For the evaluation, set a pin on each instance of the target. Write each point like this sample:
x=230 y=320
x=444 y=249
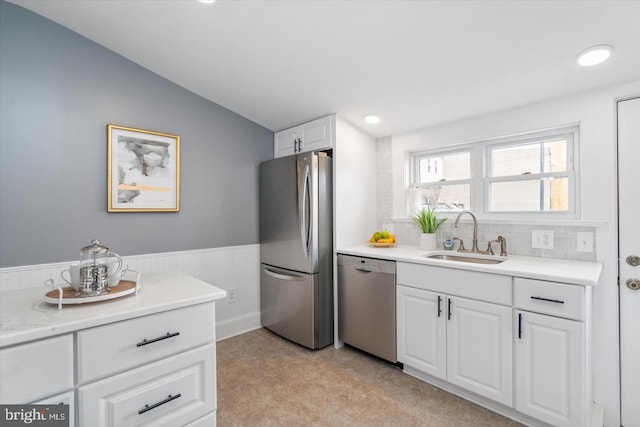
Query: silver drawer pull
x=164 y=337
x=557 y=301
x=162 y=402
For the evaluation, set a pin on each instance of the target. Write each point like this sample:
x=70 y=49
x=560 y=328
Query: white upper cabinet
x=312 y=136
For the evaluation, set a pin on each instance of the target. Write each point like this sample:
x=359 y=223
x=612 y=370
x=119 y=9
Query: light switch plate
x=585 y=241
x=542 y=239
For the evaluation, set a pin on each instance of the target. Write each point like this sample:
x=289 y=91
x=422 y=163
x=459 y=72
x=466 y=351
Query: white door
x=479 y=348
x=421 y=330
x=629 y=246
x=550 y=365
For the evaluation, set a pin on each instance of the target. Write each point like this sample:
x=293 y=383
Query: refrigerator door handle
x=272 y=273
x=305 y=226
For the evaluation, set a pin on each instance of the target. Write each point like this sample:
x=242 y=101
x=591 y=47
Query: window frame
x=480 y=179
x=415 y=158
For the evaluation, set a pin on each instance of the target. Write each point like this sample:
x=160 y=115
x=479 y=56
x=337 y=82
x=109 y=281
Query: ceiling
x=414 y=63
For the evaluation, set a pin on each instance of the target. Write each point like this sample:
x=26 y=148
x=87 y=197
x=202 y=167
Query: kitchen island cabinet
x=147 y=358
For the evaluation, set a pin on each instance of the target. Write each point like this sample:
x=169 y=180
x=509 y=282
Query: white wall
x=355 y=185
x=595 y=113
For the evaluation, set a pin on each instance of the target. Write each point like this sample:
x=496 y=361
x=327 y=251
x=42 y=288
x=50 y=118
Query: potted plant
x=428 y=221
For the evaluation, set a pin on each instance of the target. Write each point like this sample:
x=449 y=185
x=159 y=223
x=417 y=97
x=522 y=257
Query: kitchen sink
x=471 y=259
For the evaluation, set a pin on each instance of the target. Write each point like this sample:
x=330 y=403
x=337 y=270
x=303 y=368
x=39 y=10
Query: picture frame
x=143 y=170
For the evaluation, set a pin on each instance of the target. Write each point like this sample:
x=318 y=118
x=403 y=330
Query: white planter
x=428 y=241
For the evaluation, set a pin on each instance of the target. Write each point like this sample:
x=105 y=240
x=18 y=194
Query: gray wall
x=58 y=91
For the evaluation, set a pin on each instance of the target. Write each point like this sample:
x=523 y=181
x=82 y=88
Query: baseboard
x=238 y=325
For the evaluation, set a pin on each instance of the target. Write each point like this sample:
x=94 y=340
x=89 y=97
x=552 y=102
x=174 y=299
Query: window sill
x=522 y=221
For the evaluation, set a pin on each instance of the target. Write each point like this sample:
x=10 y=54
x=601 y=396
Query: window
x=527 y=175
x=442 y=181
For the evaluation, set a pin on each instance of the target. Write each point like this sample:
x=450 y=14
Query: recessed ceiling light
x=207 y=1
x=594 y=55
x=372 y=119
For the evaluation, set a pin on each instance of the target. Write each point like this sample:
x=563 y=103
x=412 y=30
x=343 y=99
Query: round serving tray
x=125 y=287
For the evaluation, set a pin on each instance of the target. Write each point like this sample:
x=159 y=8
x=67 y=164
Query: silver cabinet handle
x=162 y=402
x=556 y=301
x=164 y=337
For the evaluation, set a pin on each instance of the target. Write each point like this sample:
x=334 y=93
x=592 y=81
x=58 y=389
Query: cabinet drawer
x=556 y=299
x=112 y=348
x=494 y=288
x=67 y=398
x=172 y=392
x=35 y=370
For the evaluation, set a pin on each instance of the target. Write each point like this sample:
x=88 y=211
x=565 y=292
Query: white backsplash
x=518 y=238
x=230 y=268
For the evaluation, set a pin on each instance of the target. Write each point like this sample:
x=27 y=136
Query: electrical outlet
x=542 y=239
x=231 y=296
x=585 y=241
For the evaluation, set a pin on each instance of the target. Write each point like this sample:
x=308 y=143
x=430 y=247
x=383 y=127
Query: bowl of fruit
x=382 y=239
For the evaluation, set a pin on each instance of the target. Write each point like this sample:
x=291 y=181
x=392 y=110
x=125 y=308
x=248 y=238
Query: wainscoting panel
x=234 y=268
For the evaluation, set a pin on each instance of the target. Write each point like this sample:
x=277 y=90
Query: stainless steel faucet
x=474 y=245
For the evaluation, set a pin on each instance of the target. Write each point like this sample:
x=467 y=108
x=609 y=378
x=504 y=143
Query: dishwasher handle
x=364 y=270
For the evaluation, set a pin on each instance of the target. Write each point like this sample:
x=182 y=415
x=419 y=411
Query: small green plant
x=427 y=220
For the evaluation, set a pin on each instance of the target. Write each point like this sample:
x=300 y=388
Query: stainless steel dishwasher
x=367 y=305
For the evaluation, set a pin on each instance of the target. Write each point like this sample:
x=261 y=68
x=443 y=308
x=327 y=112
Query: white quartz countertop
x=25 y=316
x=555 y=270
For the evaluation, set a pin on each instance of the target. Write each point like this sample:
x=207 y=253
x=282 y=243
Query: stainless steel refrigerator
x=296 y=248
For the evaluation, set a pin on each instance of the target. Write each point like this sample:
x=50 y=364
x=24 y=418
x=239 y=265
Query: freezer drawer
x=288 y=304
x=367 y=305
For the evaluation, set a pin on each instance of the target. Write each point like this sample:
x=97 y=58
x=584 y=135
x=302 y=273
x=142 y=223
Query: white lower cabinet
x=549 y=369
x=67 y=398
x=172 y=392
x=36 y=370
x=479 y=348
x=551 y=365
x=421 y=337
x=462 y=341
x=527 y=357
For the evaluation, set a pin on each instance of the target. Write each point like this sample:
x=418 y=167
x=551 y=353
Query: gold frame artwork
x=143 y=170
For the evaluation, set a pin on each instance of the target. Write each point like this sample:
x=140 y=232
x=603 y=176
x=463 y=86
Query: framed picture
x=143 y=170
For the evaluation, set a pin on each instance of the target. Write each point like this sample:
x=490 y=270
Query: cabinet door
x=479 y=348
x=316 y=135
x=421 y=330
x=550 y=364
x=284 y=142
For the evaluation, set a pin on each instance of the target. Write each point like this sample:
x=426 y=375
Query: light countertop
x=25 y=316
x=555 y=270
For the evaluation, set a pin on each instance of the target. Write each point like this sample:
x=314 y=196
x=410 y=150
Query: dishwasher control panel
x=368 y=264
